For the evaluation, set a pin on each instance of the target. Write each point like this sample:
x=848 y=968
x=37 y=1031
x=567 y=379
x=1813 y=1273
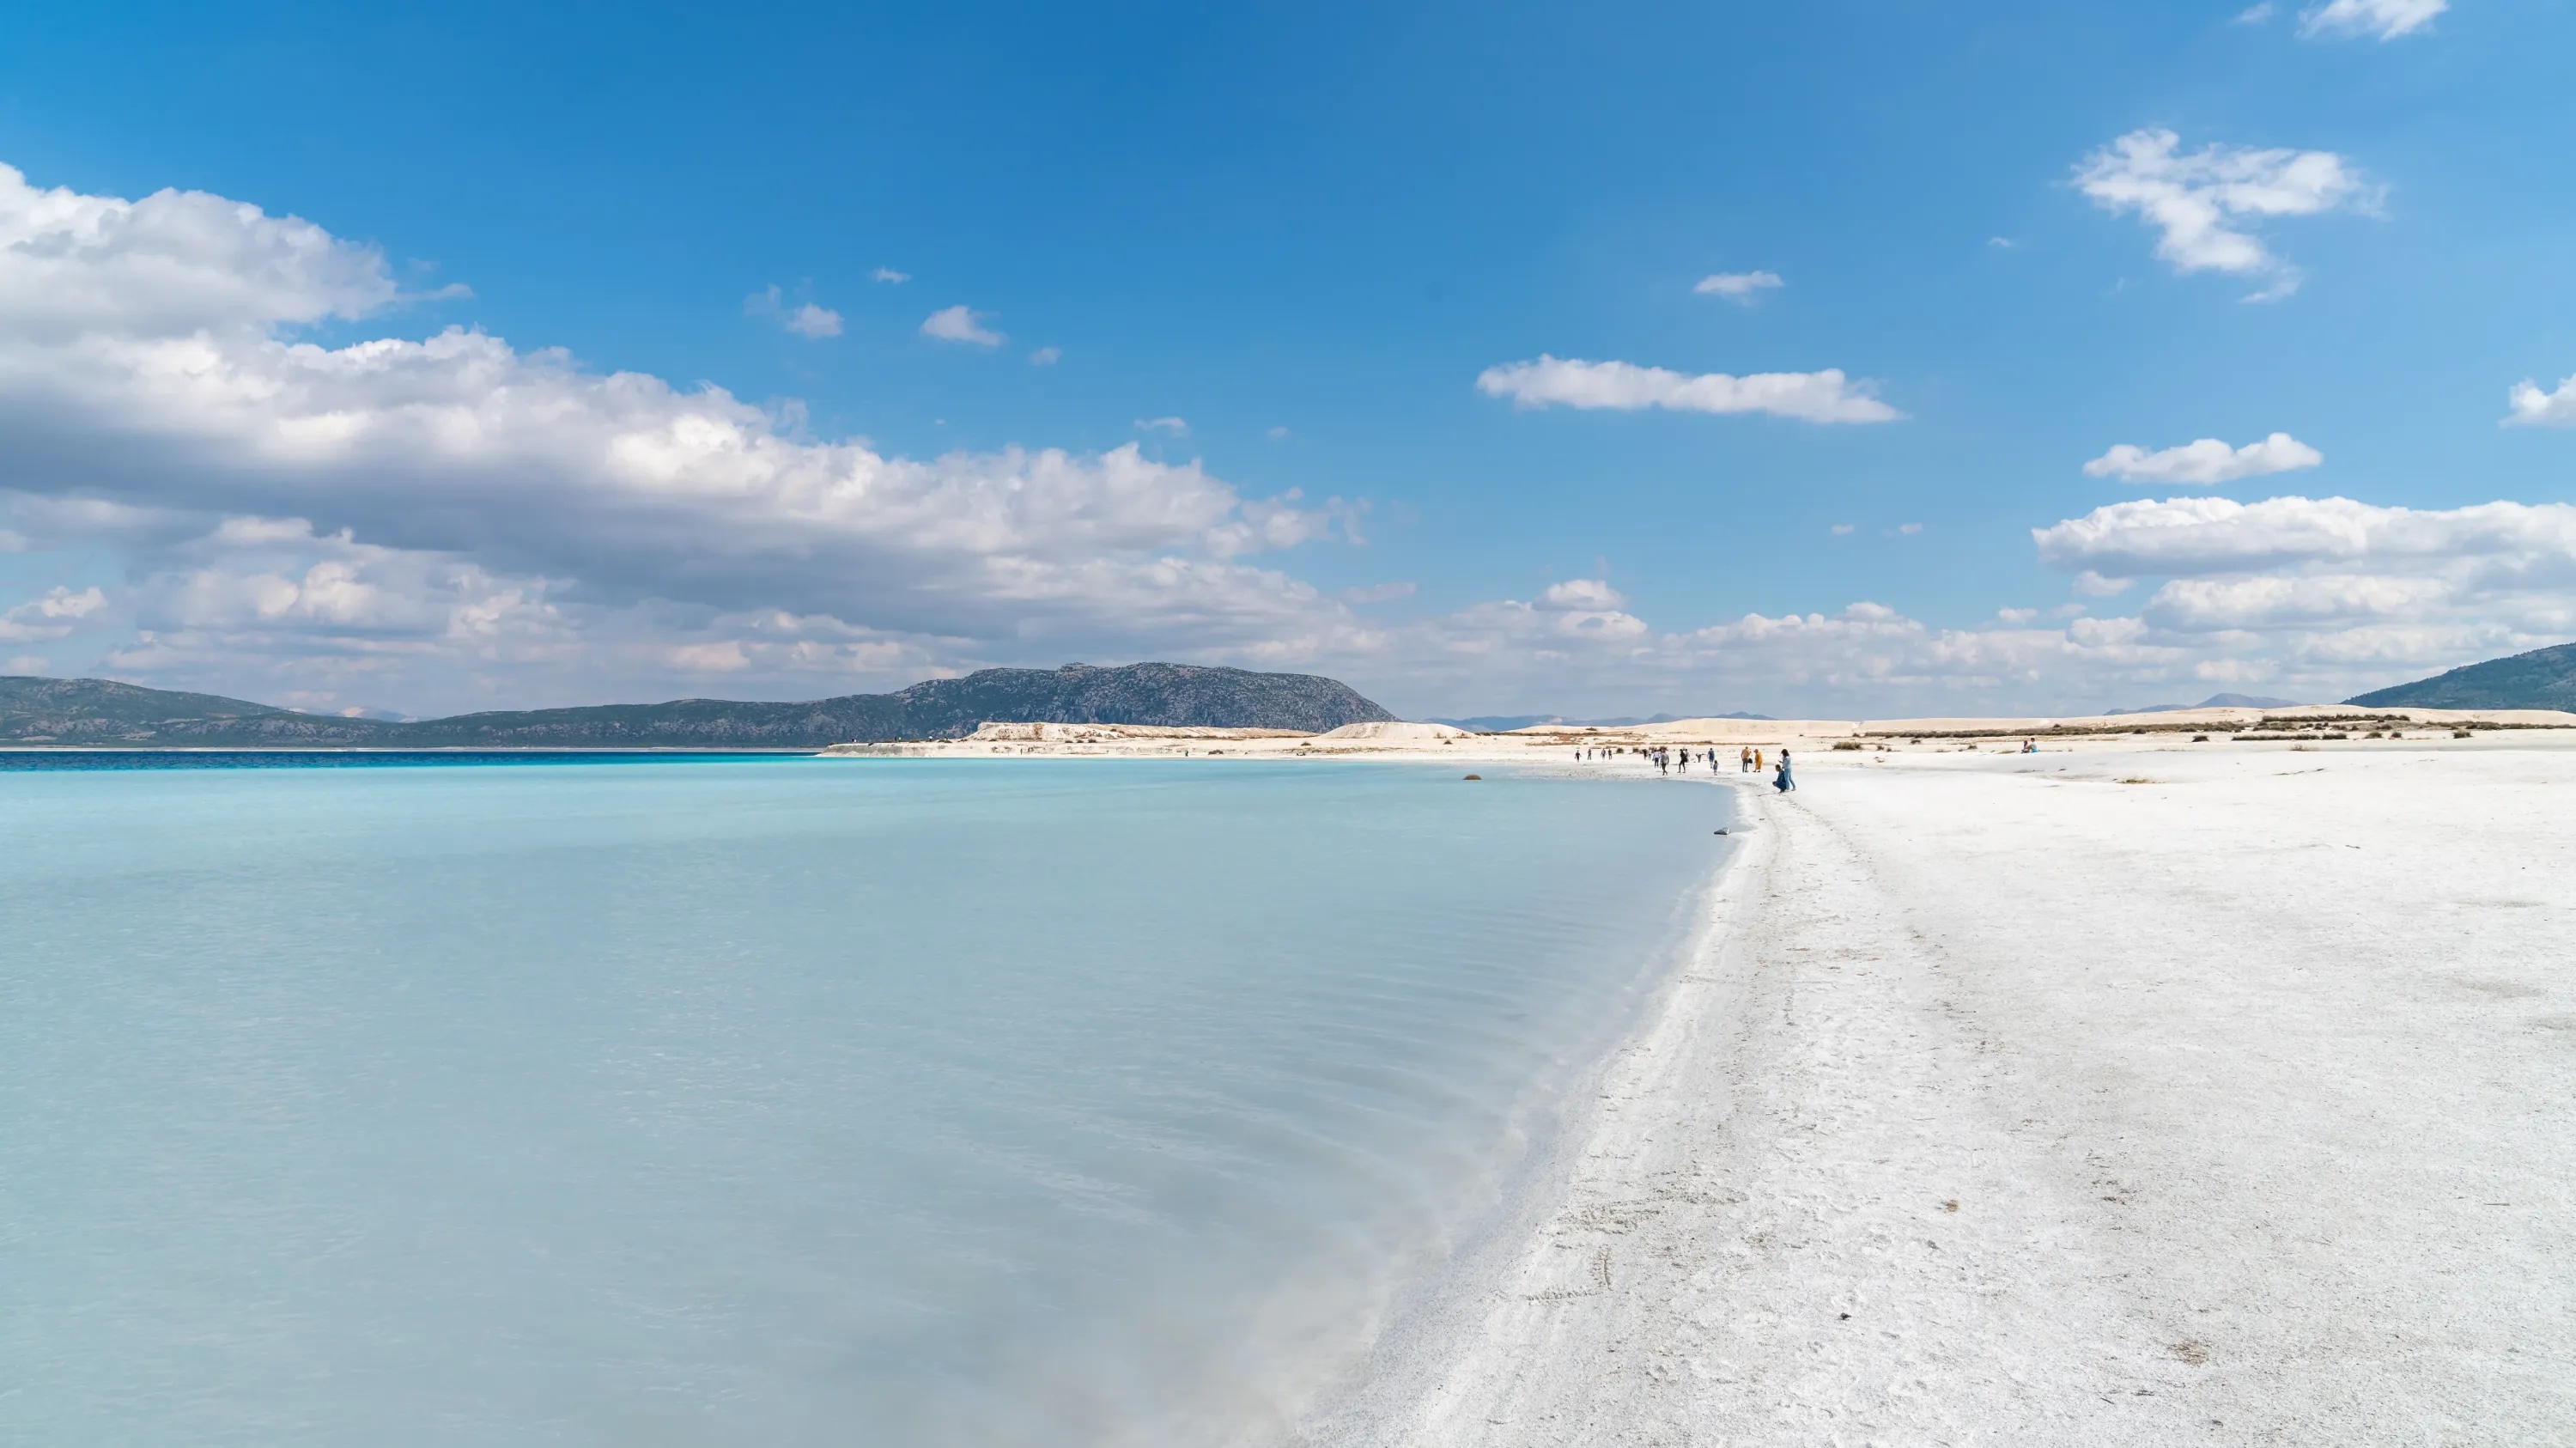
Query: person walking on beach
x=1781 y=780
x=1745 y=756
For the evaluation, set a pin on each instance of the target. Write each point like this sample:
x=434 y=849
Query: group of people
x=1673 y=761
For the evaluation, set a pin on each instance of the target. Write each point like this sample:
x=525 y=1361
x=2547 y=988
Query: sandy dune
x=2188 y=1094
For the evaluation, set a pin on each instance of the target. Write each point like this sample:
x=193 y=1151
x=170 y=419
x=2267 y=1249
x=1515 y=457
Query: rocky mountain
x=99 y=712
x=2541 y=679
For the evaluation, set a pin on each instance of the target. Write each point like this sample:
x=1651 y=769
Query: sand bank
x=2182 y=1094
x=1561 y=744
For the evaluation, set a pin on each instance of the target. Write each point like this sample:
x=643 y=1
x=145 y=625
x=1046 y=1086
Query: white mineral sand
x=2112 y=1095
x=1397 y=729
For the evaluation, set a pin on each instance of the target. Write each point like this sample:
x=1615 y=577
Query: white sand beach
x=2124 y=1095
x=2203 y=1078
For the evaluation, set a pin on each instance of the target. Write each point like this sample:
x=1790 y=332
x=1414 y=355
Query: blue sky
x=1305 y=233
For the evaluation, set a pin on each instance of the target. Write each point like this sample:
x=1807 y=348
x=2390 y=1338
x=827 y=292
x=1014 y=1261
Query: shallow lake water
x=780 y=1101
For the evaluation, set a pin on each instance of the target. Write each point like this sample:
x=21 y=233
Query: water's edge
x=1424 y=1325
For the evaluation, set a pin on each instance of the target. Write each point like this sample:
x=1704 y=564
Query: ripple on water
x=775 y=1101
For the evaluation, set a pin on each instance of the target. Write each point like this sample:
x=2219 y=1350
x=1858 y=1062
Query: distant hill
x=2215 y=701
x=2541 y=679
x=99 y=712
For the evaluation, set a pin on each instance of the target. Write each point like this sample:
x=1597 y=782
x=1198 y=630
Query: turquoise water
x=776 y=1101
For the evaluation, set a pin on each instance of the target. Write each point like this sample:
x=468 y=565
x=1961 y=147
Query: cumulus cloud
x=2205 y=462
x=2202 y=202
x=1172 y=426
x=804 y=319
x=809 y=320
x=2203 y=536
x=1742 y=288
x=1582 y=593
x=448 y=521
x=50 y=616
x=1826 y=396
x=2383 y=19
x=889 y=274
x=158 y=398
x=2535 y=408
x=957 y=324
x=2336 y=585
x=1046 y=357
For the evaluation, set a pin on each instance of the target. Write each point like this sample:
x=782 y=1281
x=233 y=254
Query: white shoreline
x=2255 y=1088
x=1432 y=1314
x=1436 y=1317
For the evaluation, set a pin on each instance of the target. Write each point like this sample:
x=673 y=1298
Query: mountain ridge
x=2541 y=679
x=103 y=712
x=2214 y=701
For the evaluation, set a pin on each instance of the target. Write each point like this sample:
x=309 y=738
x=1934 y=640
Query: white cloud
x=1277 y=434
x=1170 y=425
x=2205 y=462
x=1743 y=288
x=61 y=602
x=2341 y=591
x=51 y=616
x=2202 y=202
x=889 y=274
x=430 y=508
x=957 y=324
x=726 y=657
x=1825 y=396
x=1840 y=529
x=809 y=320
x=804 y=319
x=2535 y=408
x=2384 y=19
x=447 y=521
x=2207 y=536
x=2257 y=14
x=1582 y=593
x=1046 y=357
